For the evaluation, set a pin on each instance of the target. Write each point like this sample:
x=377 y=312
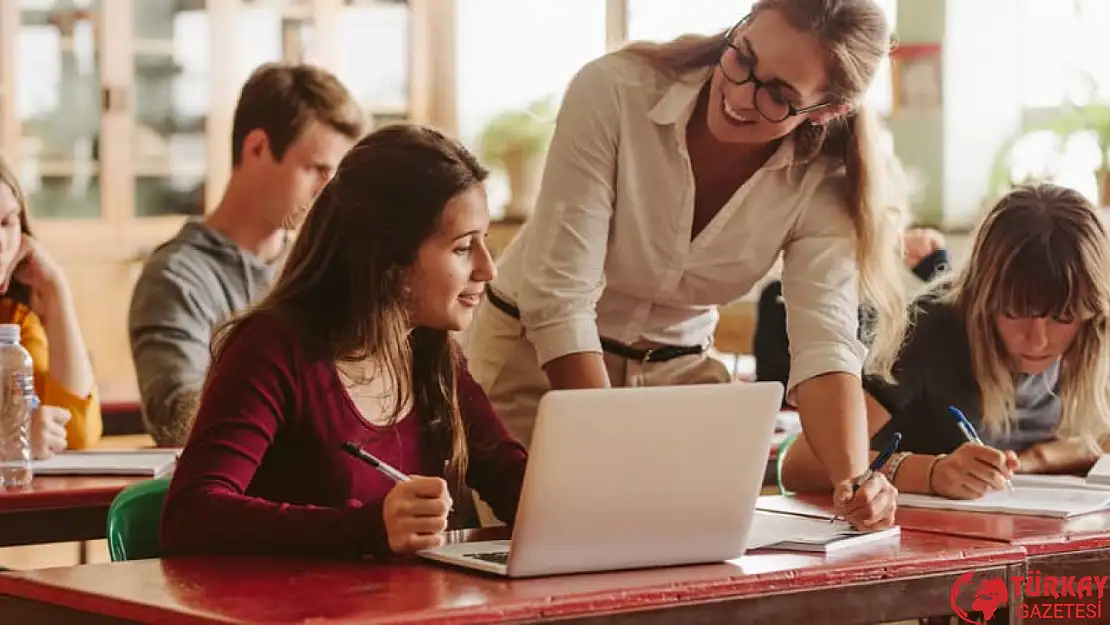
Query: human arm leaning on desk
x=563 y=273
x=820 y=287
x=964 y=473
x=255 y=383
x=1061 y=456
x=64 y=378
x=170 y=331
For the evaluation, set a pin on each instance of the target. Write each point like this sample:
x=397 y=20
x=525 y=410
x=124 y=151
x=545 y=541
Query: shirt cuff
x=832 y=358
x=570 y=337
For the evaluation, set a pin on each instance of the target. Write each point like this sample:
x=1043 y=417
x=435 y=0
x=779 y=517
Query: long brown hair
x=343 y=287
x=17 y=290
x=856 y=38
x=1041 y=251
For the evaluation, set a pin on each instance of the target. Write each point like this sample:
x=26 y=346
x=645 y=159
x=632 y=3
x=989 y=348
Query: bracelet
x=891 y=468
x=932 y=469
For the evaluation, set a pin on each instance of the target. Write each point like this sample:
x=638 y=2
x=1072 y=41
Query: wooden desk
x=1076 y=546
x=58 y=509
x=887 y=583
x=121 y=409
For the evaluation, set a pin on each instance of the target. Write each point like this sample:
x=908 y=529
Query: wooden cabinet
x=117 y=114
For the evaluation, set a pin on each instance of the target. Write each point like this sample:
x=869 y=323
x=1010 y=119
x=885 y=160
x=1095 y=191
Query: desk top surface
x=241 y=590
x=1038 y=535
x=64 y=492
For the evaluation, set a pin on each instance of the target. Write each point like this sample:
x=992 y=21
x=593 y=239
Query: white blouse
x=608 y=249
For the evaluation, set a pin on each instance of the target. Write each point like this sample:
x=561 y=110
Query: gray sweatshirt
x=189 y=286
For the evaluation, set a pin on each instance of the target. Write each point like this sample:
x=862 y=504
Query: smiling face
x=788 y=62
x=453 y=265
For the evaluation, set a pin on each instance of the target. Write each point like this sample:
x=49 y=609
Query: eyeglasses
x=739 y=69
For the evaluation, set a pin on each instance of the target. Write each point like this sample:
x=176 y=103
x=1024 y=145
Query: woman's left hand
x=37 y=269
x=870 y=508
x=1059 y=456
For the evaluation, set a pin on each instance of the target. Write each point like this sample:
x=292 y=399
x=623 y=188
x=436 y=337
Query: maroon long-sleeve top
x=264 y=473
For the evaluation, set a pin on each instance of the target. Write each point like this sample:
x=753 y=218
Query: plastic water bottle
x=17 y=402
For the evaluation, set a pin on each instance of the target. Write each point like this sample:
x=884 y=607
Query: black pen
x=355 y=450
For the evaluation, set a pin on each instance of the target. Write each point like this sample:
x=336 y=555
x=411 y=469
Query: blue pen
x=876 y=465
x=971 y=435
x=879 y=461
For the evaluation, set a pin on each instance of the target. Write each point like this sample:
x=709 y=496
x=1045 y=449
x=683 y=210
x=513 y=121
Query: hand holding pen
x=974 y=468
x=869 y=500
x=415 y=510
x=972 y=436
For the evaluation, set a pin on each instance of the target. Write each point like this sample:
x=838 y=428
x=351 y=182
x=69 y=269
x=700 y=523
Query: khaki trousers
x=504 y=363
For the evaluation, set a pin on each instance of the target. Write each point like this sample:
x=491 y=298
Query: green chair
x=780 y=457
x=133 y=520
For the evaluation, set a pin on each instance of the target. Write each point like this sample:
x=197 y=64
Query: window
x=1062 y=61
x=513 y=53
x=1064 y=48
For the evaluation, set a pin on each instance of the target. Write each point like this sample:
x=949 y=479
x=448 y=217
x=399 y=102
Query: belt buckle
x=648 y=353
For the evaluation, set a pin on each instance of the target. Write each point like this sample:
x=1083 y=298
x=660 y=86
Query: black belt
x=651 y=354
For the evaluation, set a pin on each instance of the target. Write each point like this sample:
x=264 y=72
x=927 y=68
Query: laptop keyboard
x=496 y=557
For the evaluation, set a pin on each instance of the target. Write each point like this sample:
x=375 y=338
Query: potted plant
x=516 y=142
x=1069 y=120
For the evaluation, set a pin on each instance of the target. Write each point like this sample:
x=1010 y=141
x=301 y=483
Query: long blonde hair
x=1041 y=251
x=856 y=37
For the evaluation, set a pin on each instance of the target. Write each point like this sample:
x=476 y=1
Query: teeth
x=733 y=114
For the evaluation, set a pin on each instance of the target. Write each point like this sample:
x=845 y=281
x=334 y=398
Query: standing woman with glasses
x=677 y=175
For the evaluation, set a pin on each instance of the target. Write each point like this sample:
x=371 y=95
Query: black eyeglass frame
x=791 y=110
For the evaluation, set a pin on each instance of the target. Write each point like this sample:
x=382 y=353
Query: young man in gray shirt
x=292 y=125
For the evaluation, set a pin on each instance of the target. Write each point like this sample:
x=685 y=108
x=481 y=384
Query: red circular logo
x=980 y=593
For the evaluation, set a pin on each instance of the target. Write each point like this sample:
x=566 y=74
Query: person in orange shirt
x=35 y=295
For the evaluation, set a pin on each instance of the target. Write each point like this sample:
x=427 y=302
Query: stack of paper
x=1079 y=482
x=1051 y=502
x=1100 y=473
x=798 y=533
x=141 y=463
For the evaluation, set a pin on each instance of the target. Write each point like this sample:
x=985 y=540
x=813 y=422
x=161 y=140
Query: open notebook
x=140 y=463
x=1051 y=502
x=798 y=533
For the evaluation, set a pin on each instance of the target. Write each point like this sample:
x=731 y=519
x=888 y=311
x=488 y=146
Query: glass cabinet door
x=57 y=91
x=374 y=63
x=171 y=104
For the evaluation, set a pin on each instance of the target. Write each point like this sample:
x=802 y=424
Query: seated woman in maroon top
x=353 y=344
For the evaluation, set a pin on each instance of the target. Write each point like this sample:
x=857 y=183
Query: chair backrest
x=134 y=518
x=779 y=460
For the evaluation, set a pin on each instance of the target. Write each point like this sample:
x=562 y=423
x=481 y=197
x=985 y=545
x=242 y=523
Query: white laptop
x=635 y=477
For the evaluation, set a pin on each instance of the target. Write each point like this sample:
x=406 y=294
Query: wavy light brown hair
x=1042 y=251
x=343 y=287
x=856 y=38
x=17 y=290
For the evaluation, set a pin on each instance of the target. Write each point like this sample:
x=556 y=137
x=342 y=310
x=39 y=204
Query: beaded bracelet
x=891 y=468
x=932 y=469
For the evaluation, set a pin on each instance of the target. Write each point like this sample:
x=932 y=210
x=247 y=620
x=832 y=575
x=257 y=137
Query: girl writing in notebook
x=353 y=344
x=1017 y=341
x=35 y=295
